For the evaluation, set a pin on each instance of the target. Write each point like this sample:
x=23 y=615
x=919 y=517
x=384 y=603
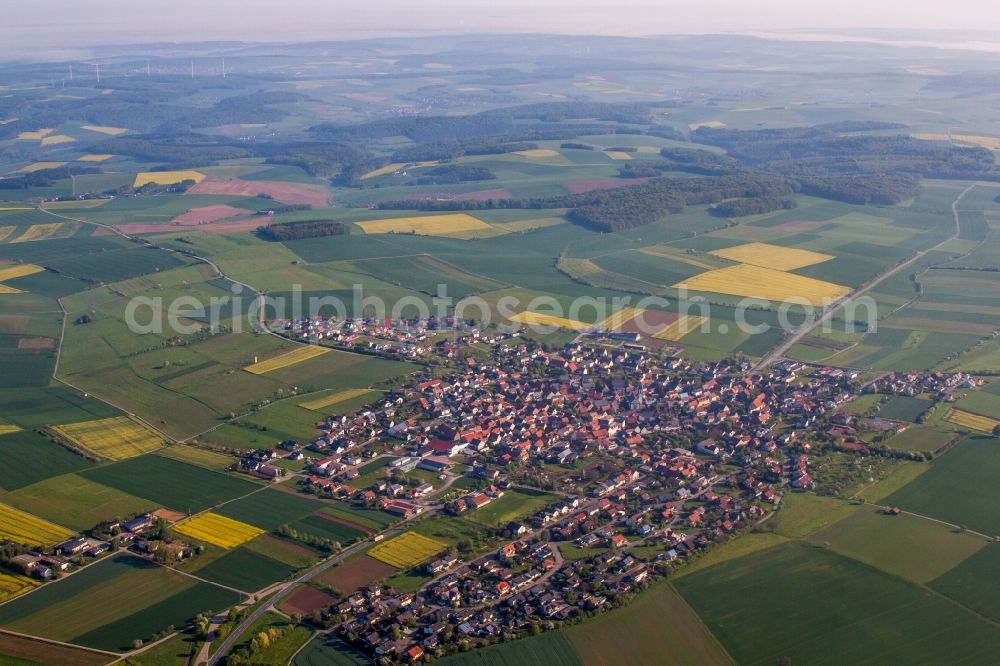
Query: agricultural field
x=683 y=639
x=21 y=527
x=680 y=328
x=167 y=177
x=772 y=256
x=406 y=550
x=357 y=572
x=550 y=648
x=37 y=459
x=89 y=608
x=217 y=530
x=269 y=509
x=968 y=583
x=335 y=398
x=170 y=483
x=795 y=589
x=917 y=549
x=297 y=355
x=455 y=224
x=18 y=270
x=529 y=318
x=244 y=569
x=117 y=438
x=329 y=650
x=971 y=421
x=12 y=585
x=765 y=283
x=76 y=502
x=959 y=487
x=904 y=408
x=200 y=457
x=920 y=438
x=22 y=651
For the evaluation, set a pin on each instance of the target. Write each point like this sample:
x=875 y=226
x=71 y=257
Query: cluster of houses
x=939 y=384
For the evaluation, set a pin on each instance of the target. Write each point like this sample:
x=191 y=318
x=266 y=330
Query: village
x=636 y=463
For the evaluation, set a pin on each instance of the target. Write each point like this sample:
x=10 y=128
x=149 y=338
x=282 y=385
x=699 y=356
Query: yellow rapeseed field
x=677 y=330
x=537 y=152
x=426 y=225
x=772 y=256
x=6 y=231
x=115 y=438
x=7 y=289
x=56 y=139
x=620 y=318
x=217 y=530
x=11 y=585
x=21 y=527
x=36 y=135
x=113 y=131
x=38 y=166
x=618 y=154
x=991 y=142
x=39 y=232
x=971 y=420
x=6 y=428
x=396 y=166
x=407 y=550
x=297 y=355
x=333 y=399
x=167 y=177
x=538 y=319
x=18 y=270
x=765 y=283
x=98 y=157
x=713 y=124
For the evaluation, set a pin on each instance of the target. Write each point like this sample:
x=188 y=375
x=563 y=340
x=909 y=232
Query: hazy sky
x=51 y=25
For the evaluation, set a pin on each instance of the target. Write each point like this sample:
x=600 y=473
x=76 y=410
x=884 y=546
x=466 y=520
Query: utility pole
x=98 y=66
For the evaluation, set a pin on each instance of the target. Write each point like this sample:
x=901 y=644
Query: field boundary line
x=51 y=641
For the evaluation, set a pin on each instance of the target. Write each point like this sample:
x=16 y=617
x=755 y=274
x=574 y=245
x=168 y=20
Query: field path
x=779 y=353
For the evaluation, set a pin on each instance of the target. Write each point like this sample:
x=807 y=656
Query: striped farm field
x=167 y=177
x=970 y=420
x=620 y=318
x=39 y=232
x=765 y=283
x=18 y=270
x=102 y=129
x=407 y=550
x=218 y=530
x=4 y=289
x=677 y=330
x=7 y=429
x=6 y=231
x=426 y=225
x=991 y=142
x=618 y=154
x=333 y=399
x=21 y=527
x=772 y=256
x=530 y=318
x=115 y=438
x=12 y=585
x=99 y=157
x=297 y=355
x=40 y=166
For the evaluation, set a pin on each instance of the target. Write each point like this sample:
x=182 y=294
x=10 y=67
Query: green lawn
x=514 y=505
x=551 y=649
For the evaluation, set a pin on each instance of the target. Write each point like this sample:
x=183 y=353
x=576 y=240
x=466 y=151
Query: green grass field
x=915 y=548
x=90 y=609
x=661 y=626
x=270 y=509
x=244 y=569
x=170 y=483
x=969 y=583
x=817 y=607
x=76 y=502
x=550 y=648
x=960 y=487
x=327 y=650
x=801 y=514
x=514 y=505
x=919 y=438
x=36 y=458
